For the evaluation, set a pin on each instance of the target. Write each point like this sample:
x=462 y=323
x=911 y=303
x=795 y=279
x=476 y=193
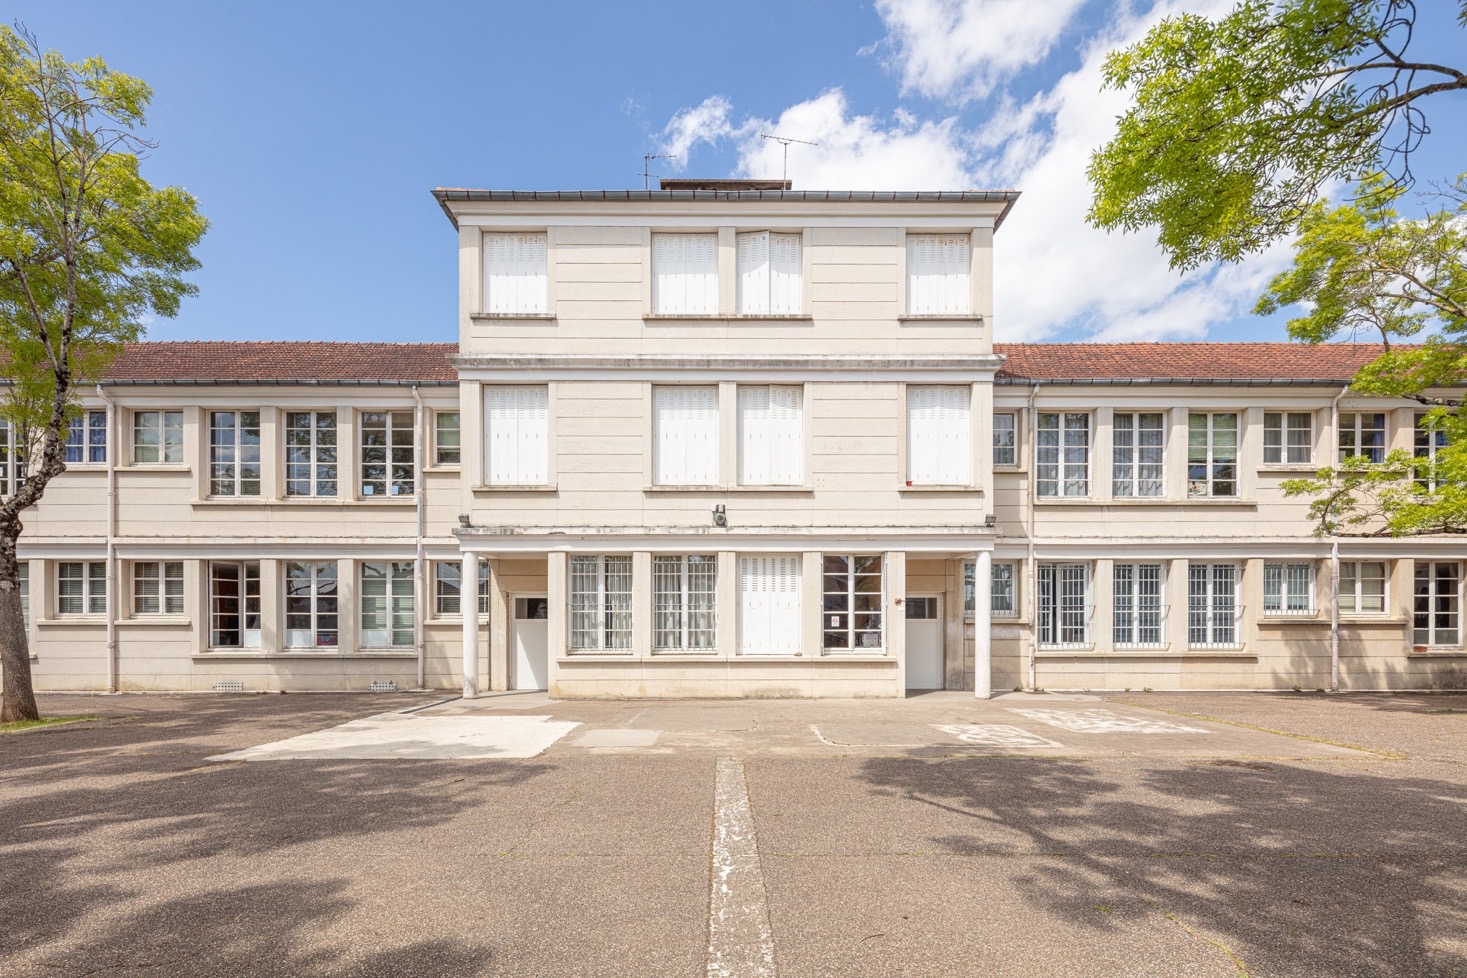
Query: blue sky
x=311 y=132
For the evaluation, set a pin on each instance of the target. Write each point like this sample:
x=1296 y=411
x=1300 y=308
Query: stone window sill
x=501 y=317
x=256 y=654
x=727 y=318
x=551 y=487
x=929 y=319
x=162 y=621
x=975 y=490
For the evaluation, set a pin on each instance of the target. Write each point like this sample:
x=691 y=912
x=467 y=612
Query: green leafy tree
x=88 y=248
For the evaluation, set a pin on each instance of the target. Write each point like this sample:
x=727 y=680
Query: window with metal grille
x=447 y=587
x=1005 y=439
x=81 y=588
x=1138 y=610
x=387 y=605
x=234 y=453
x=1064 y=605
x=514 y=273
x=1431 y=437
x=938 y=275
x=769 y=268
x=685 y=436
x=446 y=441
x=938 y=440
x=234 y=604
x=157 y=587
x=851 y=615
x=311 y=605
x=1288 y=589
x=1363 y=586
x=601 y=603
x=1212 y=454
x=157 y=437
x=1363 y=436
x=771 y=435
x=1212 y=606
x=684 y=602
x=769 y=604
x=388 y=458
x=1062 y=454
x=517 y=435
x=1003 y=593
x=1437 y=613
x=1288 y=438
x=310 y=453
x=685 y=274
x=1138 y=447
x=86 y=438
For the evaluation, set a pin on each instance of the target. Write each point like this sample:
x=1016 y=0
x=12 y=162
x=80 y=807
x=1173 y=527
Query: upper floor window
x=769 y=274
x=1005 y=439
x=1138 y=449
x=1363 y=586
x=1062 y=454
x=851 y=616
x=310 y=453
x=1288 y=589
x=157 y=587
x=81 y=587
x=684 y=602
x=157 y=436
x=446 y=443
x=1288 y=438
x=517 y=435
x=514 y=273
x=1212 y=454
x=387 y=453
x=12 y=464
x=685 y=436
x=1431 y=437
x=387 y=605
x=938 y=444
x=685 y=274
x=234 y=453
x=86 y=438
x=601 y=603
x=1363 y=435
x=771 y=436
x=938 y=275
x=1437 y=611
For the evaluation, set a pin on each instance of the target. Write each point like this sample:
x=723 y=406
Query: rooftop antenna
x=785 y=142
x=647 y=159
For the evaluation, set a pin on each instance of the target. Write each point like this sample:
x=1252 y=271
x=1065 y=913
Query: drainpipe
x=1033 y=567
x=420 y=589
x=1334 y=569
x=114 y=446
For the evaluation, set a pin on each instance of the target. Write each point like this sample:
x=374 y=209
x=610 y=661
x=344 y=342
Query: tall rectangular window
x=685 y=274
x=387 y=605
x=938 y=275
x=234 y=604
x=1288 y=589
x=1138 y=451
x=157 y=587
x=1005 y=439
x=25 y=592
x=1002 y=593
x=447 y=587
x=86 y=438
x=234 y=453
x=1437 y=613
x=769 y=604
x=939 y=451
x=684 y=602
x=1062 y=454
x=685 y=436
x=1363 y=436
x=12 y=461
x=310 y=453
x=1137 y=608
x=1430 y=438
x=771 y=435
x=1212 y=605
x=851 y=616
x=311 y=605
x=1064 y=605
x=1288 y=438
x=446 y=442
x=1363 y=587
x=514 y=273
x=517 y=435
x=1212 y=454
x=81 y=588
x=157 y=437
x=388 y=461
x=601 y=603
x=769 y=274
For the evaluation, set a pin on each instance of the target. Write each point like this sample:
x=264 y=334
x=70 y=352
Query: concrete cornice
x=816 y=362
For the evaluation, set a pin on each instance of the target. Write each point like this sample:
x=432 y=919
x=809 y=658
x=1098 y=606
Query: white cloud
x=706 y=122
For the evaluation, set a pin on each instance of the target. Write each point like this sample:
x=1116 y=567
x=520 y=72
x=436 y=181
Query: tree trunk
x=18 y=701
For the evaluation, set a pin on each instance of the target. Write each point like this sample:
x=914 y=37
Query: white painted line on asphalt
x=1103 y=721
x=390 y=736
x=996 y=735
x=740 y=942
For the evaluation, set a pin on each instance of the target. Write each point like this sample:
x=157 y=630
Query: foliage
x=1400 y=496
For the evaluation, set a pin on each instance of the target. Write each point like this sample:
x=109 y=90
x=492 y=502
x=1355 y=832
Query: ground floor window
x=684 y=601
x=1288 y=589
x=1438 y=607
x=387 y=605
x=1064 y=605
x=769 y=604
x=1002 y=592
x=1212 y=605
x=157 y=587
x=601 y=603
x=1137 y=616
x=81 y=588
x=448 y=585
x=1363 y=586
x=851 y=612
x=25 y=593
x=311 y=605
x=234 y=605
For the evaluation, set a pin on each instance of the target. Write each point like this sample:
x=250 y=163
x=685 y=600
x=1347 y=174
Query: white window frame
x=1214 y=615
x=1138 y=454
x=392 y=464
x=1064 y=613
x=385 y=602
x=1138 y=604
x=516 y=435
x=516 y=273
x=685 y=274
x=1288 y=588
x=234 y=612
x=685 y=602
x=12 y=460
x=23 y=572
x=939 y=435
x=1435 y=634
x=446 y=455
x=1354 y=429
x=772 y=584
x=1427 y=439
x=157 y=587
x=1003 y=591
x=1005 y=439
x=842 y=620
x=316 y=588
x=771 y=426
x=90 y=597
x=770 y=273
x=1054 y=440
x=1208 y=482
x=448 y=588
x=166 y=430
x=312 y=455
x=1285 y=440
x=939 y=274
x=685 y=430
x=596 y=606
x=235 y=467
x=86 y=438
x=1353 y=591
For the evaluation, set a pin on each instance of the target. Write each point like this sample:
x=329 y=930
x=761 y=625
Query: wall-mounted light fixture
x=990 y=520
x=463 y=520
x=720 y=517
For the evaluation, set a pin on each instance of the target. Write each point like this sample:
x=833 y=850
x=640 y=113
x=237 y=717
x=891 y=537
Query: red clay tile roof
x=1237 y=363
x=254 y=362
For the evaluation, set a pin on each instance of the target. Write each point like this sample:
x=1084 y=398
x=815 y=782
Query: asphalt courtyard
x=352 y=835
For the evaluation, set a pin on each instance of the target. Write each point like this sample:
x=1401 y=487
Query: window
x=310 y=605
x=1288 y=438
x=685 y=274
x=685 y=436
x=1212 y=605
x=684 y=602
x=769 y=274
x=234 y=453
x=446 y=450
x=387 y=605
x=234 y=605
x=938 y=275
x=1288 y=589
x=86 y=438
x=1363 y=587
x=1138 y=448
x=1438 y=608
x=1212 y=454
x=157 y=587
x=514 y=273
x=769 y=605
x=1062 y=454
x=1005 y=439
x=601 y=603
x=1002 y=600
x=850 y=617
x=81 y=588
x=310 y=453
x=1362 y=435
x=1137 y=606
x=771 y=436
x=25 y=592
x=157 y=437
x=1431 y=437
x=1064 y=605
x=938 y=447
x=517 y=436
x=387 y=453
x=447 y=581
x=12 y=465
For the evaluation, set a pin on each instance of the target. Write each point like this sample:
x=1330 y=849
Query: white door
x=924 y=642
x=530 y=639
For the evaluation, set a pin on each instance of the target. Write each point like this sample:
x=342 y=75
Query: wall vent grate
x=383 y=686
x=229 y=686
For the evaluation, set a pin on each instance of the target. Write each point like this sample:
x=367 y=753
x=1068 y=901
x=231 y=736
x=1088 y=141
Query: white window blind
x=937 y=274
x=685 y=435
x=514 y=273
x=771 y=436
x=938 y=439
x=769 y=605
x=769 y=274
x=685 y=274
x=516 y=437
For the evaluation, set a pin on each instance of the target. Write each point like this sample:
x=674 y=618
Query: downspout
x=420 y=638
x=114 y=446
x=1334 y=568
x=1033 y=567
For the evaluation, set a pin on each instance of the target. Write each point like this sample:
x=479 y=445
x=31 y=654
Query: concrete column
x=983 y=627
x=812 y=602
x=896 y=614
x=468 y=597
x=642 y=604
x=1177 y=608
x=1102 y=603
x=500 y=612
x=728 y=604
x=557 y=564
x=272 y=605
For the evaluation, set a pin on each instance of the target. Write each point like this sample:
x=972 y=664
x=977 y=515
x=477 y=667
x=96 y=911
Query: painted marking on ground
x=740 y=942
x=1104 y=721
x=390 y=736
x=995 y=735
